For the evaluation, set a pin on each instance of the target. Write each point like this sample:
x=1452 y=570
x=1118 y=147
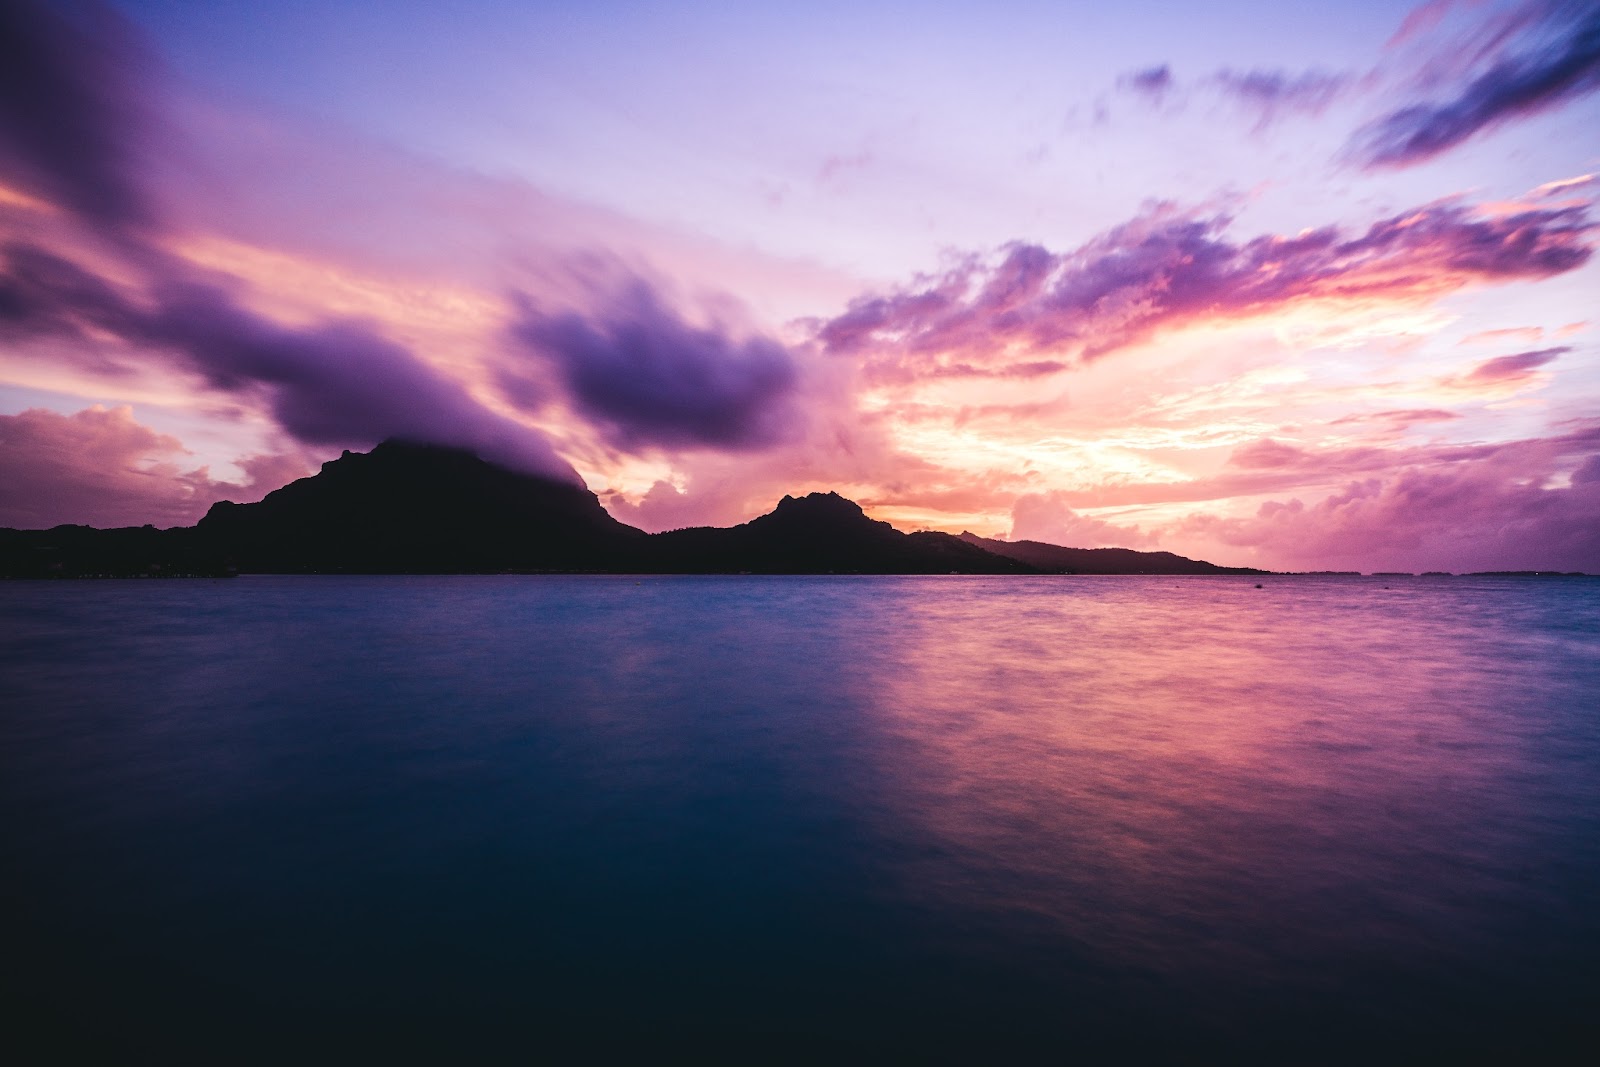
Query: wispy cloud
x=1272 y=94
x=1510 y=333
x=1516 y=369
x=1518 y=63
x=1168 y=268
x=1267 y=93
x=1046 y=517
x=1153 y=83
x=1405 y=417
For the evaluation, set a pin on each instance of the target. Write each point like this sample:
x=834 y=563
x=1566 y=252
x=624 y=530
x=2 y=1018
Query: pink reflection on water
x=1202 y=776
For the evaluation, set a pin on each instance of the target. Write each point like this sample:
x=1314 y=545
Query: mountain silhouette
x=1054 y=559
x=407 y=508
x=410 y=508
x=820 y=533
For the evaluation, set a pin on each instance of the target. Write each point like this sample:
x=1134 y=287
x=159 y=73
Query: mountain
x=1054 y=559
x=423 y=509
x=126 y=552
x=820 y=533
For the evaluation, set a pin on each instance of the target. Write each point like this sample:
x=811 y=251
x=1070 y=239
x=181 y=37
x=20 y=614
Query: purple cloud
x=1559 y=60
x=1512 y=368
x=1166 y=270
x=1272 y=93
x=336 y=383
x=1495 y=513
x=1268 y=93
x=72 y=109
x=647 y=377
x=43 y=294
x=1154 y=82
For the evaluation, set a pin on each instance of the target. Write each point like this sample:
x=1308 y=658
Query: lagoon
x=803 y=818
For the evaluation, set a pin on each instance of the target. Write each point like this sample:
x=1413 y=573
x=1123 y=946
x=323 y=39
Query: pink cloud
x=1046 y=517
x=101 y=467
x=1420 y=21
x=1268 y=466
x=1477 y=508
x=1511 y=333
x=662 y=507
x=1517 y=369
x=337 y=382
x=1266 y=454
x=1401 y=418
x=1167 y=269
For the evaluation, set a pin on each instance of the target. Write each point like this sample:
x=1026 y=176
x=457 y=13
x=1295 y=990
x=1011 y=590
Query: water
x=744 y=819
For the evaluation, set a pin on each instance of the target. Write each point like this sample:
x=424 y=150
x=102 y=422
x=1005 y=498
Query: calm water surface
x=748 y=819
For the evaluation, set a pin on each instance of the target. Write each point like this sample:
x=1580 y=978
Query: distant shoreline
x=407 y=508
x=165 y=577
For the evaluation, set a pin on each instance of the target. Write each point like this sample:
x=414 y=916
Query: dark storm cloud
x=1548 y=54
x=337 y=383
x=72 y=93
x=647 y=377
x=1167 y=269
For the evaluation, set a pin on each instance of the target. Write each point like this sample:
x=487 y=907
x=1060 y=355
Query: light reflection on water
x=758 y=817
x=1303 y=782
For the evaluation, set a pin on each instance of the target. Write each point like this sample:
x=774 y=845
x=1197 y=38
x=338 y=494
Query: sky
x=1291 y=285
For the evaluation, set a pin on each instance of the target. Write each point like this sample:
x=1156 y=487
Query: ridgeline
x=421 y=509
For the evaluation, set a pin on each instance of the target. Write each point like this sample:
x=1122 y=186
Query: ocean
x=801 y=819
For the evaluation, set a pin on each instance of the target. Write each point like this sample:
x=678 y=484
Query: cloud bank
x=648 y=378
x=101 y=467
x=74 y=88
x=1167 y=269
x=337 y=383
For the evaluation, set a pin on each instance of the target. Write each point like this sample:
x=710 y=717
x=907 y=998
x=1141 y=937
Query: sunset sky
x=1294 y=285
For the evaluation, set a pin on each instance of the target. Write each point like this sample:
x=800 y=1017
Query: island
x=407 y=508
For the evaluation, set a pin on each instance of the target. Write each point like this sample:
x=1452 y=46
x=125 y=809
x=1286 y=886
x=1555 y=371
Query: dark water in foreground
x=822 y=819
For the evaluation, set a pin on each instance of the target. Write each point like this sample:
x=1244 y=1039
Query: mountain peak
x=412 y=506
x=407 y=507
x=819 y=504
